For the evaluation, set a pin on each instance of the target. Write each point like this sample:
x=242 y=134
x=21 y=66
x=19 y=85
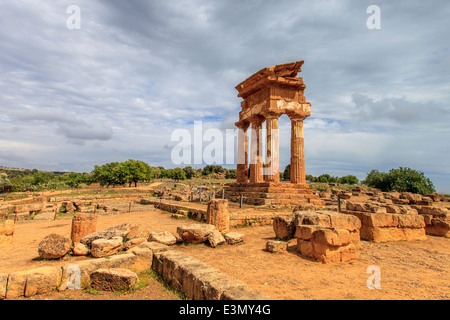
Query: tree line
x=323 y=178
x=132 y=172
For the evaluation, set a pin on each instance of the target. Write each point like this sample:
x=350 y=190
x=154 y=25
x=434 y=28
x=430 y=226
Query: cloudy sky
x=117 y=85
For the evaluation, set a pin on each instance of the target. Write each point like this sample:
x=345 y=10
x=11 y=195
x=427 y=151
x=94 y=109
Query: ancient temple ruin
x=268 y=94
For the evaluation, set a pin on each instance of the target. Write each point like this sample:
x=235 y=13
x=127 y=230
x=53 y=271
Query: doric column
x=298 y=174
x=272 y=168
x=256 y=175
x=242 y=154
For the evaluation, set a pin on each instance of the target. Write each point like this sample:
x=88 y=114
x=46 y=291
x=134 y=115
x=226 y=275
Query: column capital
x=257 y=119
x=272 y=115
x=297 y=117
x=242 y=125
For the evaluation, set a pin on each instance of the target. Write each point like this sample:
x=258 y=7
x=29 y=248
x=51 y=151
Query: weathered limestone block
x=276 y=246
x=125 y=230
x=435 y=197
x=305 y=207
x=82 y=225
x=284 y=226
x=328 y=237
x=218 y=215
x=196 y=279
x=67 y=206
x=54 y=246
x=155 y=246
x=164 y=237
x=106 y=247
x=3 y=284
x=80 y=249
x=195 y=233
x=216 y=238
x=32 y=282
x=6 y=233
x=439 y=227
x=334 y=254
x=133 y=243
x=81 y=270
x=413 y=198
x=391 y=227
x=331 y=237
x=234 y=237
x=312 y=218
x=114 y=279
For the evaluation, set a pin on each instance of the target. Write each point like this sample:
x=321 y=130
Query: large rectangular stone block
x=32 y=282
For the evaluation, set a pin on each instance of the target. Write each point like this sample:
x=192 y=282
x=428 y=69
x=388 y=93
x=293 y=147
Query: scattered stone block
x=164 y=237
x=32 y=282
x=284 y=226
x=195 y=233
x=54 y=246
x=80 y=249
x=114 y=279
x=106 y=247
x=133 y=243
x=124 y=230
x=216 y=238
x=275 y=246
x=234 y=237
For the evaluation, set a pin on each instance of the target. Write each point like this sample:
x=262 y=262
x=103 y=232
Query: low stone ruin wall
x=199 y=281
x=378 y=225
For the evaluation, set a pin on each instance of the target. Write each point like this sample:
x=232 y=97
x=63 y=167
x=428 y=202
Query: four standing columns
x=272 y=168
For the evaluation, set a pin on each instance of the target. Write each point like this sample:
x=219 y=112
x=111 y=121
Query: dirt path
x=409 y=270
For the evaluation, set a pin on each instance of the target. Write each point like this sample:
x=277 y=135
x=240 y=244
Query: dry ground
x=409 y=270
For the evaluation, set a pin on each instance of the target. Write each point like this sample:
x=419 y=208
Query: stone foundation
x=272 y=194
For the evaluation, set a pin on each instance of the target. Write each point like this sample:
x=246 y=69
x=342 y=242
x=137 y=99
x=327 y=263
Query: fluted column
x=256 y=174
x=272 y=168
x=242 y=154
x=298 y=174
